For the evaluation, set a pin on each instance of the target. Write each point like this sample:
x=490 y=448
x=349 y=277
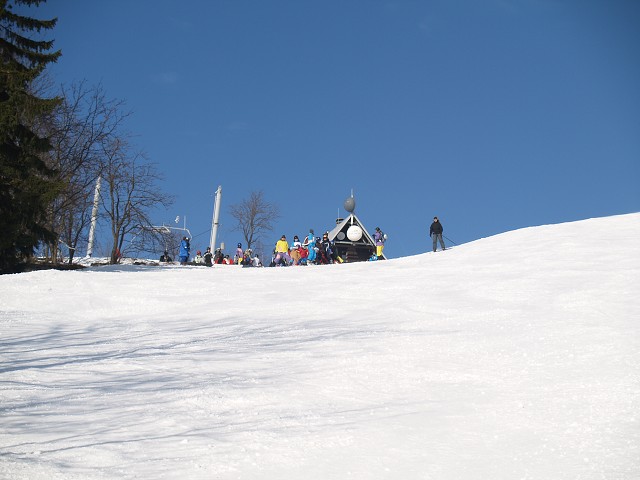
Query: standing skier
x=435 y=232
x=184 y=250
x=378 y=237
x=310 y=244
x=282 y=251
x=239 y=254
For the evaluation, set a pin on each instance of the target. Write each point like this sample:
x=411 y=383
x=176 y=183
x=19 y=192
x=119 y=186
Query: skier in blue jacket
x=184 y=251
x=310 y=244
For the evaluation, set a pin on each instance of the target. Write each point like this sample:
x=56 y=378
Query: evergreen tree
x=27 y=184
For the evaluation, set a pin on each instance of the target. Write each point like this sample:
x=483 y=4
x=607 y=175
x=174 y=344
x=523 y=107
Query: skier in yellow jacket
x=282 y=251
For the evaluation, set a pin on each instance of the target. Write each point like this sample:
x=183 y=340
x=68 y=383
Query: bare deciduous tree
x=131 y=193
x=78 y=128
x=254 y=217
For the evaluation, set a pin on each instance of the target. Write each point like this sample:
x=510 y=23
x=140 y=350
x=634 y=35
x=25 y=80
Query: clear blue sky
x=493 y=114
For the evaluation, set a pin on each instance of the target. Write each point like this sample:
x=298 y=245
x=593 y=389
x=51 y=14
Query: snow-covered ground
x=511 y=357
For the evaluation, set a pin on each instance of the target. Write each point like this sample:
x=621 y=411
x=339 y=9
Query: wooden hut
x=352 y=240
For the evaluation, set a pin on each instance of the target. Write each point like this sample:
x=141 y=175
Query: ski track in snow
x=511 y=357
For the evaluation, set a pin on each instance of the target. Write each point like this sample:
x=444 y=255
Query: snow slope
x=512 y=357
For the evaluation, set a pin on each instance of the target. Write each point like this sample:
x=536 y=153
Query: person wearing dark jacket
x=208 y=257
x=435 y=232
x=329 y=248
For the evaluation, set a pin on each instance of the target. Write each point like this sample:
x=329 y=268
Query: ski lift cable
x=200 y=234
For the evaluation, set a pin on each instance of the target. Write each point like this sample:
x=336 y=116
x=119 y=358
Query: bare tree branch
x=254 y=217
x=131 y=193
x=78 y=128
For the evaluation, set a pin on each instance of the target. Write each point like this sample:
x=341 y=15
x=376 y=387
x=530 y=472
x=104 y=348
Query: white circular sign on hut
x=354 y=233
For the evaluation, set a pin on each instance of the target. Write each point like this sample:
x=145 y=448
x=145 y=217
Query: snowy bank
x=512 y=357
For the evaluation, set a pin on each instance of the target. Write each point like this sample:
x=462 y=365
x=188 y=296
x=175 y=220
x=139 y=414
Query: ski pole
x=448 y=239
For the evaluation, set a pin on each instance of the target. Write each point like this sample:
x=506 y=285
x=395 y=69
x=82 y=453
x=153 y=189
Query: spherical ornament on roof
x=350 y=204
x=354 y=233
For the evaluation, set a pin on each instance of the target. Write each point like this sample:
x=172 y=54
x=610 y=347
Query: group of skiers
x=312 y=250
x=316 y=250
